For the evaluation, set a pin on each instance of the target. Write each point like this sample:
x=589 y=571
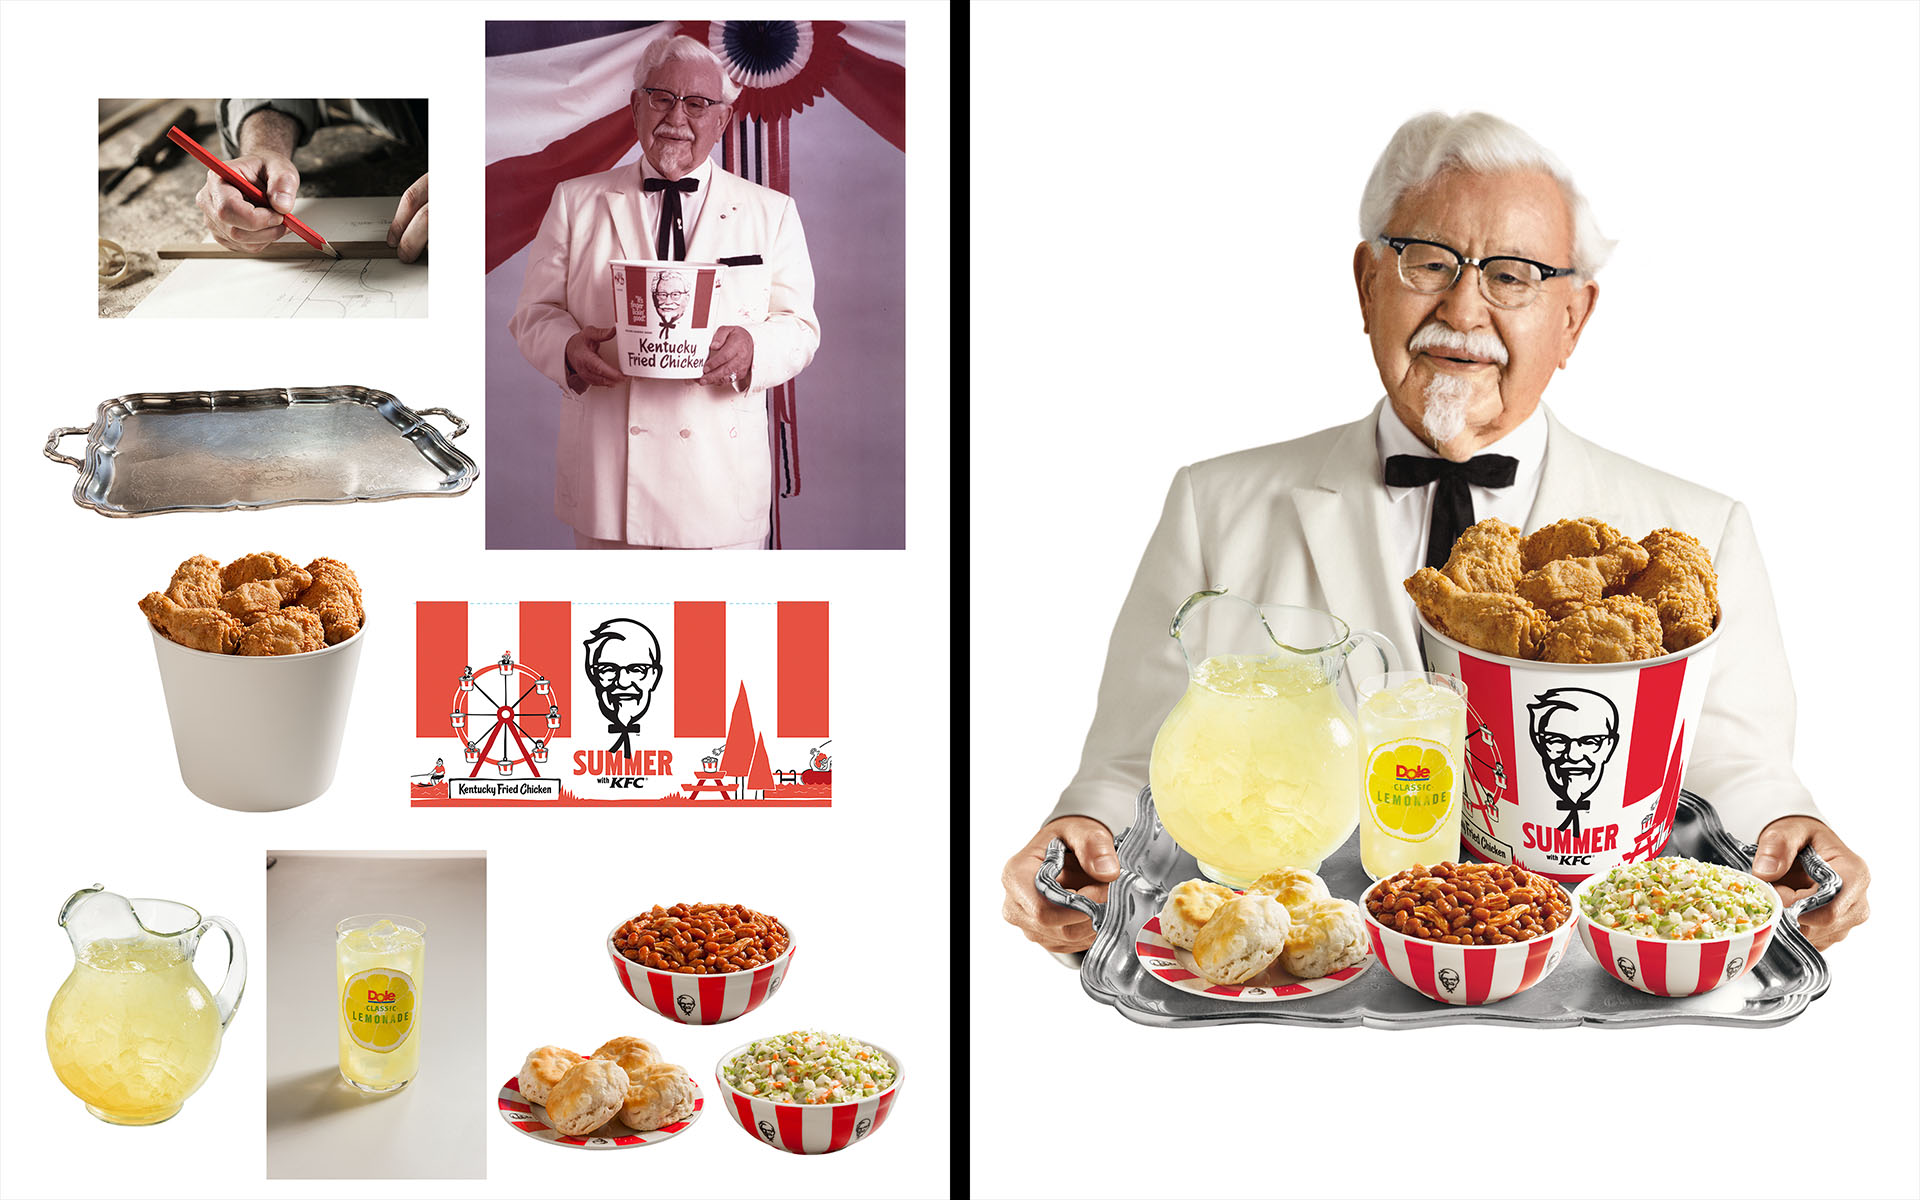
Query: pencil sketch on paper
x=305 y=288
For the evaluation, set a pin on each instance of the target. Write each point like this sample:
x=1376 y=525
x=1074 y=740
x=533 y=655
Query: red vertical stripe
x=702 y=297
x=1713 y=960
x=699 y=672
x=626 y=977
x=439 y=654
x=713 y=997
x=663 y=997
x=1653 y=965
x=1760 y=941
x=881 y=1109
x=546 y=646
x=757 y=989
x=1420 y=966
x=1603 y=950
x=843 y=1115
x=787 y=1117
x=744 y=1107
x=1536 y=963
x=803 y=668
x=1490 y=695
x=1480 y=972
x=1654 y=706
x=1379 y=950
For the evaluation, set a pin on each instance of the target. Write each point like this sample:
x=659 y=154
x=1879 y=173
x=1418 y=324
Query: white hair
x=1482 y=143
x=685 y=49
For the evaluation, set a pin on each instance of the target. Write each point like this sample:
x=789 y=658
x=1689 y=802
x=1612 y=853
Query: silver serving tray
x=157 y=452
x=1791 y=976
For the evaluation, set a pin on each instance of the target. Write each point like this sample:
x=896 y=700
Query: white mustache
x=1480 y=344
x=684 y=134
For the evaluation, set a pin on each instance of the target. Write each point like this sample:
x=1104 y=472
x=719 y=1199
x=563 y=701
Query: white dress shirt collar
x=1526 y=443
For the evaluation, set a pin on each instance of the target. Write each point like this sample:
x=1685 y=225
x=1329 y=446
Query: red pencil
x=247 y=189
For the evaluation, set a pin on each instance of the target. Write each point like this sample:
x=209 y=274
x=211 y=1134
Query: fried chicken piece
x=206 y=629
x=252 y=601
x=266 y=565
x=195 y=583
x=1486 y=557
x=335 y=596
x=287 y=631
x=1497 y=622
x=1617 y=629
x=1559 y=587
x=1680 y=583
x=1576 y=537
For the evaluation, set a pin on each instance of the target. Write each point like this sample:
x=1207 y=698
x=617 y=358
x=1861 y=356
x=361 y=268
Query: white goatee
x=1445 y=417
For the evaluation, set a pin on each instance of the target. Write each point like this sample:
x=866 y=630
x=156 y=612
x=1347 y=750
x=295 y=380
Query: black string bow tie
x=670 y=217
x=1452 y=503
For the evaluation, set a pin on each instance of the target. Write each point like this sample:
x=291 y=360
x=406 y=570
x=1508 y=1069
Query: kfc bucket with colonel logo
x=1575 y=767
x=662 y=315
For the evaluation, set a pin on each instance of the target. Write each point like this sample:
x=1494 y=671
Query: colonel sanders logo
x=1449 y=978
x=860 y=1130
x=766 y=1131
x=623 y=664
x=1625 y=965
x=1733 y=966
x=1575 y=732
x=684 y=1004
x=670 y=292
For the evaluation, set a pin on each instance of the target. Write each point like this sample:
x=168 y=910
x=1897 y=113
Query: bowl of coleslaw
x=1676 y=926
x=808 y=1092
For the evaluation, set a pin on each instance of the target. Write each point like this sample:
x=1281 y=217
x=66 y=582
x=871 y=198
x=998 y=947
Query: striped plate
x=1173 y=966
x=531 y=1119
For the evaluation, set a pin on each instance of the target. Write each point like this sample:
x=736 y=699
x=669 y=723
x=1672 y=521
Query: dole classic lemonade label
x=1410 y=786
x=377 y=1006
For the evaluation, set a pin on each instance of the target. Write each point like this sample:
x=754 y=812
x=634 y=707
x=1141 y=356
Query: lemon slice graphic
x=1404 y=802
x=374 y=1021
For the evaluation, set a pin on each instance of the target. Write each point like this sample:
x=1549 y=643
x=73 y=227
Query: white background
x=90 y=793
x=1222 y=151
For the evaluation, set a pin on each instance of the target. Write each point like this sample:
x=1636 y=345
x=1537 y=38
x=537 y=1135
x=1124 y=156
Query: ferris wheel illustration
x=510 y=738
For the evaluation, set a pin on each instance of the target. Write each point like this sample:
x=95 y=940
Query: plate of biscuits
x=1282 y=938
x=624 y=1094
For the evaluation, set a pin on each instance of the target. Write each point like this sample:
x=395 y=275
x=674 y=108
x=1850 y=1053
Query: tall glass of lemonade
x=1413 y=732
x=380 y=961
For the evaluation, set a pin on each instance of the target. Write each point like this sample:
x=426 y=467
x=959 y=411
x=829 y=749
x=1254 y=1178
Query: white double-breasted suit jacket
x=662 y=462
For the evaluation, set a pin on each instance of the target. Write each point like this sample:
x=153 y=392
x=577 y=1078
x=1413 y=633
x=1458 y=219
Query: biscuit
x=1292 y=887
x=1329 y=936
x=659 y=1094
x=631 y=1053
x=1188 y=907
x=587 y=1096
x=543 y=1069
x=1242 y=938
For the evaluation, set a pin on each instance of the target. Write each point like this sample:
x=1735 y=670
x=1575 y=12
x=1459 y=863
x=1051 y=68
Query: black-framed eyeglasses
x=608 y=673
x=661 y=100
x=1507 y=282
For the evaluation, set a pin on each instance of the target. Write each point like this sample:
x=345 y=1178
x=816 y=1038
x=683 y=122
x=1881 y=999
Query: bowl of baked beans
x=701 y=964
x=1468 y=933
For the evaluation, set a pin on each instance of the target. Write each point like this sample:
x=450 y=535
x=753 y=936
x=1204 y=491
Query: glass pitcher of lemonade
x=133 y=1032
x=1257 y=766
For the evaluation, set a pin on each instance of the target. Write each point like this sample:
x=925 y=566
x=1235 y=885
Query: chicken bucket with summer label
x=1593 y=752
x=664 y=318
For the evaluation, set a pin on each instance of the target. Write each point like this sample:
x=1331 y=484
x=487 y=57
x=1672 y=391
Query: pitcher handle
x=227 y=999
x=1383 y=646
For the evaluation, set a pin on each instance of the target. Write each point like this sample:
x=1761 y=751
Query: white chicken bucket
x=663 y=314
x=1593 y=752
x=257 y=733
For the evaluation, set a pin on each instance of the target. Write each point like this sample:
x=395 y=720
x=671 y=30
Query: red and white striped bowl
x=701 y=999
x=806 y=1128
x=1664 y=967
x=1465 y=974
